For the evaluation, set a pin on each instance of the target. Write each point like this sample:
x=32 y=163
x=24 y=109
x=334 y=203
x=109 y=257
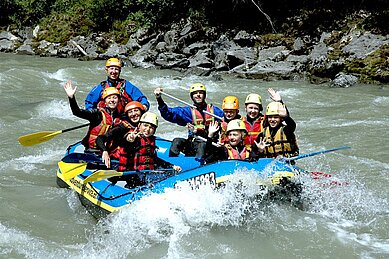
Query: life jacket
x=253 y=130
x=115 y=148
x=233 y=153
x=124 y=96
x=107 y=122
x=141 y=158
x=201 y=122
x=279 y=144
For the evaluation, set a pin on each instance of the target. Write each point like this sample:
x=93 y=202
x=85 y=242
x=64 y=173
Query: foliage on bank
x=63 y=19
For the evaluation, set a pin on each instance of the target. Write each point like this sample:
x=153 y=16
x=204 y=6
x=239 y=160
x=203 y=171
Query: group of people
x=122 y=128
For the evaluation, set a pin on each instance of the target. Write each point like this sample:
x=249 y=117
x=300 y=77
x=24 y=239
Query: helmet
x=132 y=105
x=150 y=117
x=273 y=108
x=230 y=103
x=197 y=87
x=253 y=98
x=109 y=91
x=113 y=62
x=236 y=125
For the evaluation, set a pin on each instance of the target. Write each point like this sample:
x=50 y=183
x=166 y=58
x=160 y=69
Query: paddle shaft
x=191 y=105
x=315 y=153
x=74 y=128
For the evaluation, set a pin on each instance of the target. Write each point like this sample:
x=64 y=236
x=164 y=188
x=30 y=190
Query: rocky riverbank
x=342 y=58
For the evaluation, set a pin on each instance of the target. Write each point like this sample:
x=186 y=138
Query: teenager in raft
x=101 y=119
x=137 y=151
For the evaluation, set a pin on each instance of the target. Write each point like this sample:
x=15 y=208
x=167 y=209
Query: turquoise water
x=40 y=220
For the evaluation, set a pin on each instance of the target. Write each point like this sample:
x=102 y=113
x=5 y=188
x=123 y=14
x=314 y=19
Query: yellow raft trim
x=87 y=192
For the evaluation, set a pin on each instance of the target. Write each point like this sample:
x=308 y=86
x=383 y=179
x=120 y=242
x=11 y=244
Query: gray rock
x=278 y=53
x=270 y=70
x=194 y=48
x=344 y=80
x=244 y=39
x=7 y=45
x=25 y=49
x=319 y=54
x=171 y=60
x=198 y=71
x=298 y=46
x=201 y=59
x=26 y=33
x=360 y=46
x=6 y=35
x=115 y=50
x=239 y=56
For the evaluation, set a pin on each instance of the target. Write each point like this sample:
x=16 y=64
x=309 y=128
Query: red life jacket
x=115 y=148
x=106 y=123
x=201 y=122
x=142 y=158
x=253 y=130
x=234 y=154
x=124 y=96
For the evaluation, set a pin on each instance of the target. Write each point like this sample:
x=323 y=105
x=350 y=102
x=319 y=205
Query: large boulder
x=361 y=45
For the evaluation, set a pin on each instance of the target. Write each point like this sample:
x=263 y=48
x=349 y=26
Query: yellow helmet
x=109 y=91
x=150 y=117
x=273 y=108
x=253 y=98
x=236 y=125
x=113 y=62
x=197 y=87
x=230 y=103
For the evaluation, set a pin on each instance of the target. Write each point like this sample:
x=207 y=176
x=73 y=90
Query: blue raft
x=102 y=197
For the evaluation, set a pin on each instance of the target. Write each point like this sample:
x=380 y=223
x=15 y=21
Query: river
x=40 y=220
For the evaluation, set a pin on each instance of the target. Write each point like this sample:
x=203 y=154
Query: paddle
x=43 y=136
x=103 y=174
x=191 y=105
x=314 y=153
x=71 y=170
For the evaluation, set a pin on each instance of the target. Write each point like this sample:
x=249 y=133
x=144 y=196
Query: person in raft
x=230 y=108
x=128 y=91
x=138 y=151
x=277 y=137
x=254 y=118
x=128 y=123
x=101 y=119
x=195 y=120
x=234 y=146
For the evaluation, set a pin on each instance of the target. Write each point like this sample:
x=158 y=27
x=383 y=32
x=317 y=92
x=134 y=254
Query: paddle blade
x=38 y=137
x=71 y=170
x=101 y=174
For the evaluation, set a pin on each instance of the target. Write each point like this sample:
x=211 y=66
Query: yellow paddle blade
x=101 y=174
x=71 y=170
x=38 y=137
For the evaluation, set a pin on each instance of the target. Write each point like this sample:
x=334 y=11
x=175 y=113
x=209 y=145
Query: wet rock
x=8 y=41
x=194 y=48
x=115 y=50
x=344 y=80
x=270 y=70
x=25 y=49
x=243 y=38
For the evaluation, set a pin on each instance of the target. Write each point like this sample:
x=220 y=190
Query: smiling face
x=252 y=110
x=113 y=72
x=198 y=97
x=234 y=137
x=146 y=129
x=274 y=120
x=134 y=115
x=112 y=101
x=230 y=114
